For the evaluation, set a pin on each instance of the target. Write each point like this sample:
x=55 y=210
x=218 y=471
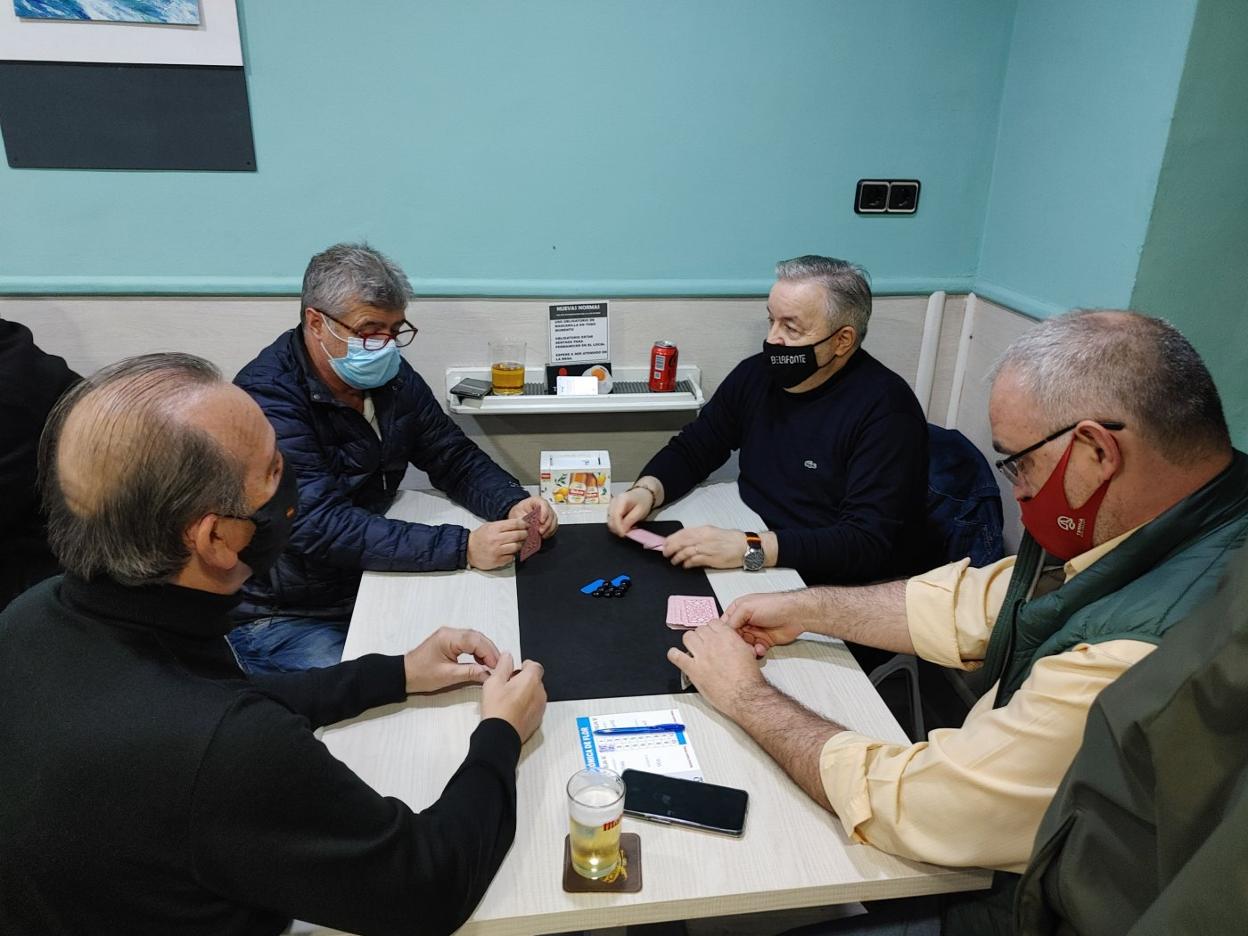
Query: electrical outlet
x=903 y=196
x=887 y=196
x=872 y=197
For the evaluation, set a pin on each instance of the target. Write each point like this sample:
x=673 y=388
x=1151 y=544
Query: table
x=793 y=853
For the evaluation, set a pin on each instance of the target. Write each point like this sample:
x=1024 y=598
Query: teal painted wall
x=1085 y=115
x=556 y=147
x=1194 y=268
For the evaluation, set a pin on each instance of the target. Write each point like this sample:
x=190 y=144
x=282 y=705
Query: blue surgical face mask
x=361 y=368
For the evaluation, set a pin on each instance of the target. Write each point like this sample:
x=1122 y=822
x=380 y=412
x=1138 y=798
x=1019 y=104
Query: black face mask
x=273 y=522
x=789 y=365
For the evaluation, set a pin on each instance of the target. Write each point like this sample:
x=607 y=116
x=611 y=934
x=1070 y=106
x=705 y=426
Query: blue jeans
x=286 y=644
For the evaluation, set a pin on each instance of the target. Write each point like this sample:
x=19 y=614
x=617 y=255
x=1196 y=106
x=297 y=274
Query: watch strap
x=753 y=548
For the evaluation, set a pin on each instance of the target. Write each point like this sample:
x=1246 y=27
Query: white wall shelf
x=631 y=394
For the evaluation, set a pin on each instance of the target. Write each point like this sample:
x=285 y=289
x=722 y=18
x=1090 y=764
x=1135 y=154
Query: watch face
x=754 y=560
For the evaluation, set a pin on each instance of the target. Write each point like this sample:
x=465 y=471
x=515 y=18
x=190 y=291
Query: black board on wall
x=78 y=115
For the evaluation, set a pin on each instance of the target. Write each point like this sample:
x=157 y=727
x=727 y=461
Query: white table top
x=793 y=853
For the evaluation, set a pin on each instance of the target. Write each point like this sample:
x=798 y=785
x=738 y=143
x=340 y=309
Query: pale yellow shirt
x=973 y=796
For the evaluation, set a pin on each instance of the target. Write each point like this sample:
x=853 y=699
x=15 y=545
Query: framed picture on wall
x=164 y=12
x=124 y=84
x=122 y=32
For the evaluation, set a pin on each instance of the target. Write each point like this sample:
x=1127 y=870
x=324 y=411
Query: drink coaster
x=625 y=879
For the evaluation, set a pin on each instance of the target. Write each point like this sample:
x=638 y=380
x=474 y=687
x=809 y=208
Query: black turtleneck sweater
x=839 y=473
x=147 y=786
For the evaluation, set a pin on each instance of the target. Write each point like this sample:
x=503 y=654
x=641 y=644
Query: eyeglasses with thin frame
x=375 y=341
x=1009 y=466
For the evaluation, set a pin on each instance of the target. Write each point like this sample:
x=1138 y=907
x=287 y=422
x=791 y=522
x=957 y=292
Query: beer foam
x=596 y=806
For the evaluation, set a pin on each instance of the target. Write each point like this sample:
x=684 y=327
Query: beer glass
x=595 y=808
x=507 y=367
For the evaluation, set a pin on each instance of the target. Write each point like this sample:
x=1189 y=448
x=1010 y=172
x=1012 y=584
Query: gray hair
x=137 y=473
x=1109 y=364
x=846 y=285
x=347 y=273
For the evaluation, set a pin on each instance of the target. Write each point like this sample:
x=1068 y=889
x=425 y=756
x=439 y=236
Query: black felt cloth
x=601 y=648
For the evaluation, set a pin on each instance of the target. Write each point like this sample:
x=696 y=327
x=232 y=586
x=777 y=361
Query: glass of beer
x=595 y=808
x=507 y=367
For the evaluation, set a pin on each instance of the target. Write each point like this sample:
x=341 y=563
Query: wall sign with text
x=579 y=331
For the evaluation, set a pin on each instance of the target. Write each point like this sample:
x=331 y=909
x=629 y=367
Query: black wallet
x=472 y=387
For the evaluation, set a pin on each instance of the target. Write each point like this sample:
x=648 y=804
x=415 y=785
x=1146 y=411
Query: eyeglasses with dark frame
x=1009 y=466
x=375 y=341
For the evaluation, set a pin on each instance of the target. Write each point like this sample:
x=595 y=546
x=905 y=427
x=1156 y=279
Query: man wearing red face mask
x=1113 y=437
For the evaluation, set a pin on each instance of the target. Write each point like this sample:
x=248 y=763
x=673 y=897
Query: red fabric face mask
x=1061 y=530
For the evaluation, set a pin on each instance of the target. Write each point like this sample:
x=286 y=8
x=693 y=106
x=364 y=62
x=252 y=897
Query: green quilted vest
x=1138 y=591
x=1135 y=592
x=1156 y=800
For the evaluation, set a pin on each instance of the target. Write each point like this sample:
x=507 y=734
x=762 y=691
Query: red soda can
x=663 y=357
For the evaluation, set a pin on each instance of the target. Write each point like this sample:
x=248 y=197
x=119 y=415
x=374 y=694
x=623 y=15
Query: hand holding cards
x=532 y=541
x=685 y=612
x=647 y=539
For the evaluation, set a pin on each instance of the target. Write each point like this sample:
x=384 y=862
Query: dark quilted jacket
x=964 y=516
x=348 y=479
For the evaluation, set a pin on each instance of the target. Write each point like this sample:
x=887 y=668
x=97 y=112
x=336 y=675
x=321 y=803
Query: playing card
x=646 y=538
x=532 y=542
x=687 y=611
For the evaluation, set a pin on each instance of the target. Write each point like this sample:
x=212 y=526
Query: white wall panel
x=994 y=328
x=713 y=333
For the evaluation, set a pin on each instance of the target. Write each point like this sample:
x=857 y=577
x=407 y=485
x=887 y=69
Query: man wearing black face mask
x=149 y=785
x=833 y=445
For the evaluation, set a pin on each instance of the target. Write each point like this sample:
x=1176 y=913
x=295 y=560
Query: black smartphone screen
x=687 y=802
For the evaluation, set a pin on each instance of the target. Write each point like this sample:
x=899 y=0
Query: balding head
x=132 y=456
x=1115 y=365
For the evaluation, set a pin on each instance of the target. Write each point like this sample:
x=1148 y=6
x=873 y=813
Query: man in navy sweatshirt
x=833 y=445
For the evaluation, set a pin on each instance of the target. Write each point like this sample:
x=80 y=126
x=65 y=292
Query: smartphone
x=471 y=387
x=685 y=802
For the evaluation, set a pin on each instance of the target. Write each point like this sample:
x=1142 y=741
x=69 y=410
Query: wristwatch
x=753 y=561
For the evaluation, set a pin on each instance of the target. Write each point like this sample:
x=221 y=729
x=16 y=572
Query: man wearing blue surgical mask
x=351 y=415
x=832 y=445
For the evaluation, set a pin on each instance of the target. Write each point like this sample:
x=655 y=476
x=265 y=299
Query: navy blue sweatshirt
x=838 y=473
x=148 y=786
